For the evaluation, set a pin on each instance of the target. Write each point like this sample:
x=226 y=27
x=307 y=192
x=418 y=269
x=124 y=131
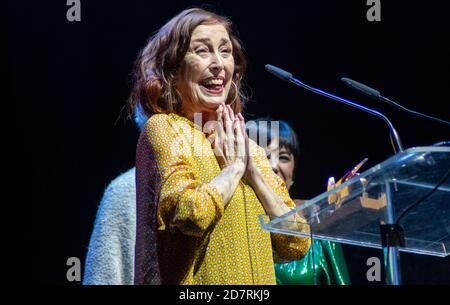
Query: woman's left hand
x=251 y=170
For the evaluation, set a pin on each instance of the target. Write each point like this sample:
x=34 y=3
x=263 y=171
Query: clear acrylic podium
x=352 y=212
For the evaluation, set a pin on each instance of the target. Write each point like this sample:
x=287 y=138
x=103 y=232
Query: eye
x=202 y=50
x=225 y=51
x=285 y=158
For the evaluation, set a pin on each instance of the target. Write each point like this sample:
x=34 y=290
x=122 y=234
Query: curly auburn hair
x=157 y=63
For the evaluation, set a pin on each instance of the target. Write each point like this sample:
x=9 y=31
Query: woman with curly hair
x=201 y=186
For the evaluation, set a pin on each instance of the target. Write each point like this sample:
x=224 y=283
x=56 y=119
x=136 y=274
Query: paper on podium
x=403 y=178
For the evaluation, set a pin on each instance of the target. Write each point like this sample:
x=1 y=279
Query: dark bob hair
x=287 y=136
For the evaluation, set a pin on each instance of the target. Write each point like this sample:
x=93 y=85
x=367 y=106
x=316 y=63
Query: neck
x=206 y=116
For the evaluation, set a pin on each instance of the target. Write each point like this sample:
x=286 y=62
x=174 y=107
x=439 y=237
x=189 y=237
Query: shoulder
x=157 y=130
x=122 y=187
x=119 y=199
x=163 y=136
x=164 y=125
x=123 y=181
x=158 y=121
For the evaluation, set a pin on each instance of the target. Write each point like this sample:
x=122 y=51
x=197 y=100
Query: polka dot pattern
x=185 y=233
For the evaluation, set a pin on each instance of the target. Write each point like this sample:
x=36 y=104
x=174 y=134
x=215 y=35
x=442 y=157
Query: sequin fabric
x=185 y=232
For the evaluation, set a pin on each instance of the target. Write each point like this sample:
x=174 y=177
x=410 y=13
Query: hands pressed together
x=231 y=142
x=231 y=147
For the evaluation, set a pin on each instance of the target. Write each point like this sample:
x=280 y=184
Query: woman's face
x=204 y=78
x=281 y=161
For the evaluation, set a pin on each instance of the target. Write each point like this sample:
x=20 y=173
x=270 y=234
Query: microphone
x=361 y=88
x=286 y=76
x=377 y=96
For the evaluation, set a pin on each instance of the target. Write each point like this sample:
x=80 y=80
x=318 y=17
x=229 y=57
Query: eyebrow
x=285 y=150
x=208 y=41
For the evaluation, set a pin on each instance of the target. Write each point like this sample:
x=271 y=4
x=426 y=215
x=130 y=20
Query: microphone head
x=361 y=88
x=284 y=75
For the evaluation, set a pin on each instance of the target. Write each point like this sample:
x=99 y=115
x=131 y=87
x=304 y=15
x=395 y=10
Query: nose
x=216 y=65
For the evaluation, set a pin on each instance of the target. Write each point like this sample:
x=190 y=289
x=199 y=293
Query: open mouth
x=213 y=85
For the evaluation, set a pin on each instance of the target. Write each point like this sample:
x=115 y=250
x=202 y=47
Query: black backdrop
x=70 y=81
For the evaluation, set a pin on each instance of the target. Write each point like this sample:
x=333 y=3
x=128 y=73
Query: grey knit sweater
x=110 y=257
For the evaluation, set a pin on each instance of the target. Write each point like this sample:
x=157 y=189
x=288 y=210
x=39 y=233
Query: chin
x=212 y=102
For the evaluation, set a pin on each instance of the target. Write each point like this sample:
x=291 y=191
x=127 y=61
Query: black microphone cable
x=375 y=94
x=423 y=198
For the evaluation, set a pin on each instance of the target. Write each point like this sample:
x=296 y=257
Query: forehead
x=274 y=145
x=210 y=32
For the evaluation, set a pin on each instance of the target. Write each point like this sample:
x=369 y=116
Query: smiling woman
x=171 y=55
x=197 y=213
x=324 y=264
x=206 y=72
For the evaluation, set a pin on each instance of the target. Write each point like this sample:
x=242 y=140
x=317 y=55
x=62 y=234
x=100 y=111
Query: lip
x=213 y=91
x=214 y=77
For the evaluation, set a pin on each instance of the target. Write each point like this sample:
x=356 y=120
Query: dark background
x=70 y=81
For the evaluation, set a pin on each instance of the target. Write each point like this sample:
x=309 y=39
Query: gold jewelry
x=211 y=137
x=237 y=93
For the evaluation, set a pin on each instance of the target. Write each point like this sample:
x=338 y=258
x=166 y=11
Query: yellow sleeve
x=184 y=202
x=285 y=247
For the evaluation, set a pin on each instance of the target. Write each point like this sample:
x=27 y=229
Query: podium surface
x=352 y=212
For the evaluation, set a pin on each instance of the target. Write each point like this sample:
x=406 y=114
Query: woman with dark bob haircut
x=324 y=264
x=200 y=182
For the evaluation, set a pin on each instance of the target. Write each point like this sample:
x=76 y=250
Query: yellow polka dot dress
x=185 y=232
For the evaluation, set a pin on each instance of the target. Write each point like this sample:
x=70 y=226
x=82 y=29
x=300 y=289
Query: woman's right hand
x=229 y=141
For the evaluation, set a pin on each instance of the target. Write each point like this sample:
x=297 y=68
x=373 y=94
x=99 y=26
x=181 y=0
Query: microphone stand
x=394 y=134
x=389 y=230
x=375 y=94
